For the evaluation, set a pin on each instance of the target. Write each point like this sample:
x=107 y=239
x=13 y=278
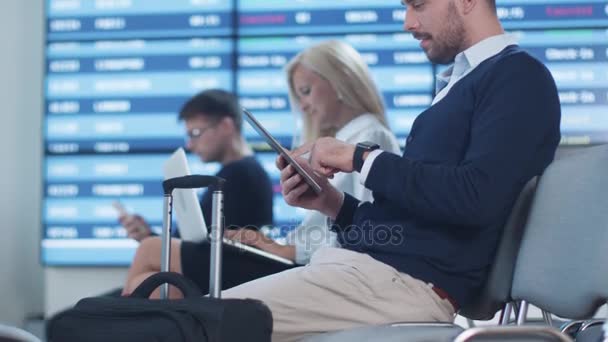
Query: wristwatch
x=362 y=147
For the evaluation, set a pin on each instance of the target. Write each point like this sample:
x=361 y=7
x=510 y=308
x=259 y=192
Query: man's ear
x=227 y=124
x=465 y=7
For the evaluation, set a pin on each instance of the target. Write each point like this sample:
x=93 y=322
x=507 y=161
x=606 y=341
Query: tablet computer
x=274 y=144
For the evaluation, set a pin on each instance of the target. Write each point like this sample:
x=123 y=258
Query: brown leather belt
x=444 y=295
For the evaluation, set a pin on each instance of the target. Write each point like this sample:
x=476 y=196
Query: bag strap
x=187 y=286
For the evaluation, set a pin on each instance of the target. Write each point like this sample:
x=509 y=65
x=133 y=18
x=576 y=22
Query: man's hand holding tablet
x=274 y=144
x=301 y=186
x=297 y=192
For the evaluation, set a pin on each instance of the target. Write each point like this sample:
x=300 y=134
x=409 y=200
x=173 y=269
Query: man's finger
x=294 y=195
x=326 y=171
x=291 y=183
x=302 y=149
x=287 y=172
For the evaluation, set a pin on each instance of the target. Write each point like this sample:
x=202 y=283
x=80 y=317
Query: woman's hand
x=248 y=236
x=258 y=240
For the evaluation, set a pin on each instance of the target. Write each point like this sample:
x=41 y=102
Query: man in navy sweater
x=423 y=247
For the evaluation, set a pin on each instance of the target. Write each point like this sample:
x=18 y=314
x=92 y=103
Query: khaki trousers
x=342 y=289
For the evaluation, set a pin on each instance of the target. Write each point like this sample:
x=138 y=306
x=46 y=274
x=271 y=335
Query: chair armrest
x=591 y=323
x=424 y=324
x=543 y=333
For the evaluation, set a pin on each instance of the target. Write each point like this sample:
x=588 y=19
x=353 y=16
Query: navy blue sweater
x=439 y=209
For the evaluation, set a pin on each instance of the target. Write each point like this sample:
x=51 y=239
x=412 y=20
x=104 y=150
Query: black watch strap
x=361 y=148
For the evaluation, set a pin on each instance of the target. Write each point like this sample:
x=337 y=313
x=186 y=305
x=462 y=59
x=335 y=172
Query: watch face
x=368 y=145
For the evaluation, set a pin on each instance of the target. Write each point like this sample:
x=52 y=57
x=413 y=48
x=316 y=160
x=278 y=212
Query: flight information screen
x=117 y=72
x=547 y=14
x=120 y=19
x=264 y=17
x=578 y=61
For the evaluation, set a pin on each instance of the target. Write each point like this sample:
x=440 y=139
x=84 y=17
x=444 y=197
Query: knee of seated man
x=149 y=248
x=152 y=246
x=150 y=243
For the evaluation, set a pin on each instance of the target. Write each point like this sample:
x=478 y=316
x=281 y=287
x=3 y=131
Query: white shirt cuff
x=367 y=165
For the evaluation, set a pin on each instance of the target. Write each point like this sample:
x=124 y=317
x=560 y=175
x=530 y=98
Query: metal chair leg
x=523 y=312
x=547 y=317
x=505 y=315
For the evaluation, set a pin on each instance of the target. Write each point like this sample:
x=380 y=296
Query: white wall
x=21 y=41
x=24 y=288
x=66 y=285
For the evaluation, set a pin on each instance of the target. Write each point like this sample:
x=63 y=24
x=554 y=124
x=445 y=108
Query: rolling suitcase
x=193 y=318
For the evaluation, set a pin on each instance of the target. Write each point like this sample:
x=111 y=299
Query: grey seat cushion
x=388 y=333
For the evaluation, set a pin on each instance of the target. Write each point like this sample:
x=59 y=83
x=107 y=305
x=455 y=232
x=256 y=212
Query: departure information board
x=578 y=61
x=120 y=19
x=266 y=17
x=117 y=72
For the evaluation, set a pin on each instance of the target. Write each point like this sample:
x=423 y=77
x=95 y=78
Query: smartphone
x=122 y=211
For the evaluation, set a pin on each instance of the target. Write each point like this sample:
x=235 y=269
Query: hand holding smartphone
x=120 y=209
x=135 y=225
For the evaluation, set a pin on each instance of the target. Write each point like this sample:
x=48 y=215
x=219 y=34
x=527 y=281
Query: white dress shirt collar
x=469 y=59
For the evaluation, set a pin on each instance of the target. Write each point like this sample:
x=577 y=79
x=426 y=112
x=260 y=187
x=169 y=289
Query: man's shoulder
x=514 y=56
x=239 y=166
x=244 y=170
x=511 y=66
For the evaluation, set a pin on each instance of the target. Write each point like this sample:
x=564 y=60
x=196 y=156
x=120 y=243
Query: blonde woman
x=331 y=87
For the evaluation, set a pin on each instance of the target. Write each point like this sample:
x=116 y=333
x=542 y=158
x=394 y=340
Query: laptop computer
x=188 y=213
x=186 y=207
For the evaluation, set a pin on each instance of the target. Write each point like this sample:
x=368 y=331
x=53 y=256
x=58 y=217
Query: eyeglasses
x=196 y=133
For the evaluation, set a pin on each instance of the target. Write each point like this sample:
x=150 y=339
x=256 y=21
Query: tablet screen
x=274 y=144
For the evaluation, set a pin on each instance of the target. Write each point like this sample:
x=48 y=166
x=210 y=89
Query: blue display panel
x=269 y=17
x=117 y=72
x=578 y=61
x=79 y=192
x=398 y=65
x=527 y=14
x=109 y=19
x=123 y=96
x=111 y=120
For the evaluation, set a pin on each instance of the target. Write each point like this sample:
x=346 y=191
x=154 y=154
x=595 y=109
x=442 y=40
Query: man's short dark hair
x=214 y=103
x=492 y=3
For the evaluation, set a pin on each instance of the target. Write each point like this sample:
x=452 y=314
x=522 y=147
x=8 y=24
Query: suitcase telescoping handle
x=217 y=229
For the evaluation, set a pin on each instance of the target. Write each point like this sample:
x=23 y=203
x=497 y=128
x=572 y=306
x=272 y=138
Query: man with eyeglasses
x=213 y=121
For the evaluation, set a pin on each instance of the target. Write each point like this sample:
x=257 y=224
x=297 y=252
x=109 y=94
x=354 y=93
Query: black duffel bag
x=137 y=318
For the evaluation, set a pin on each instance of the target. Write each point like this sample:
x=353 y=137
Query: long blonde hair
x=346 y=71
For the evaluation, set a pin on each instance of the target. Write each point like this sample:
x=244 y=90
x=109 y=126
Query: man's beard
x=450 y=41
